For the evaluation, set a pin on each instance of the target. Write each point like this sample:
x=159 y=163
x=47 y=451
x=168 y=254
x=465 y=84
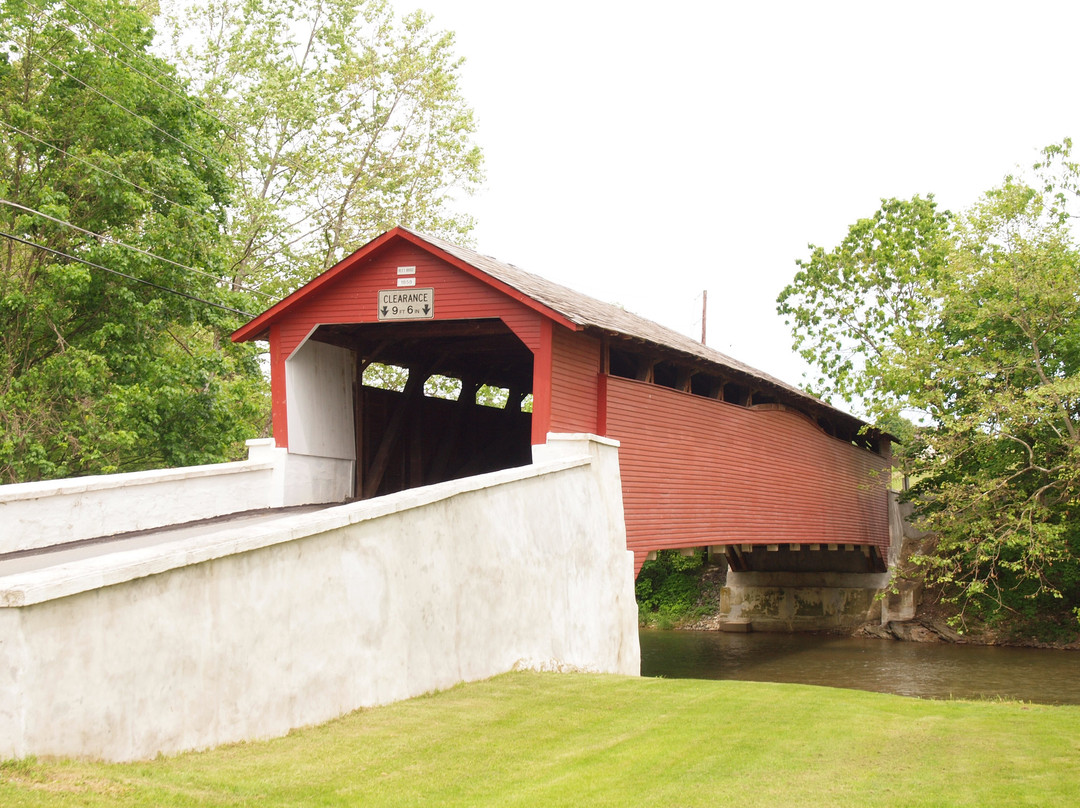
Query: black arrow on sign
x=426 y=308
x=384 y=310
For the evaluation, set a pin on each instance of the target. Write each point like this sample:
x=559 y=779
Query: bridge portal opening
x=435 y=401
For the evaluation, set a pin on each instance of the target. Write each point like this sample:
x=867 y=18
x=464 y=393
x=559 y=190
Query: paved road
x=27 y=560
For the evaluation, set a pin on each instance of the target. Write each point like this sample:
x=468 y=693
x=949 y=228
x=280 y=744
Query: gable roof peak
x=559 y=303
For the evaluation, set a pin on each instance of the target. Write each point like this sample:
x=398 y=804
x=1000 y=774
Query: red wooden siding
x=353 y=297
x=698 y=472
x=541 y=414
x=278 y=408
x=574 y=371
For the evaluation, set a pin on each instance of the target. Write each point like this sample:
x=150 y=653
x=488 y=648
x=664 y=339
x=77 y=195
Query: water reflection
x=904 y=668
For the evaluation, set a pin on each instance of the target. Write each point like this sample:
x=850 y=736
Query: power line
x=111 y=240
x=105 y=31
x=113 y=101
x=234 y=126
x=168 y=134
x=163 y=74
x=262 y=262
x=289 y=225
x=106 y=171
x=285 y=162
x=124 y=275
x=193 y=102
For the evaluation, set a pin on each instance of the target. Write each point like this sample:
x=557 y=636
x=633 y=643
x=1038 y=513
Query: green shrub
x=1022 y=608
x=668 y=588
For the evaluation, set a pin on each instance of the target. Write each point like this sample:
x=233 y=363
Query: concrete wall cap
x=77 y=485
x=37 y=586
x=553 y=437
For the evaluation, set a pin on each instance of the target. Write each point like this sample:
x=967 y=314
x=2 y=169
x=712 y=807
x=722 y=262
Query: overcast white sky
x=643 y=152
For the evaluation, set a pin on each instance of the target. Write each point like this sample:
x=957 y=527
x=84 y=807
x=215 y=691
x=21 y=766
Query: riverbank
x=576 y=739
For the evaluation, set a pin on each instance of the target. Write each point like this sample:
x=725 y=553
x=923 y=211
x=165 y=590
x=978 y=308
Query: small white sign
x=406 y=270
x=406 y=281
x=406 y=304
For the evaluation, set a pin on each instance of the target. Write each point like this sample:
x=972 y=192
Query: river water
x=937 y=671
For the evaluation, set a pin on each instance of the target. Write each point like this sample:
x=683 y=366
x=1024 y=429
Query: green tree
x=100 y=372
x=854 y=309
x=342 y=122
x=971 y=326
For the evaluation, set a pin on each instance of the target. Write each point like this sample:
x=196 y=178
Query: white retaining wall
x=250 y=632
x=42 y=514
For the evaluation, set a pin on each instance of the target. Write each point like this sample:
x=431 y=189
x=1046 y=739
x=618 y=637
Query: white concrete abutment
x=246 y=632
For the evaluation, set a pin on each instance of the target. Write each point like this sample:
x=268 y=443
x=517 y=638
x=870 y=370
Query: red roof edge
x=258 y=327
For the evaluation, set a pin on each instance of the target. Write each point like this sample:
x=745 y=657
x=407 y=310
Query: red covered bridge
x=713 y=452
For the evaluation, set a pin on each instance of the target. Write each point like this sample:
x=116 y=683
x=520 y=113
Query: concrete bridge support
x=815 y=587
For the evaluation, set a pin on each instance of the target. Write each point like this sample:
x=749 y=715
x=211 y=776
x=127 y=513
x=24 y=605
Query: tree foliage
x=99 y=372
x=970 y=325
x=342 y=122
x=853 y=309
x=669 y=588
x=299 y=130
x=393 y=377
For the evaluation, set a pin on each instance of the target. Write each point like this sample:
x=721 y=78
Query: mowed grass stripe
x=527 y=739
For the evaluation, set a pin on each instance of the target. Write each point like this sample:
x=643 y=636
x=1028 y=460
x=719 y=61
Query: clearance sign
x=406 y=304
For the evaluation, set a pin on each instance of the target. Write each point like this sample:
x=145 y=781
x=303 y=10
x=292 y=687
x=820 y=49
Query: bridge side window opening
x=390 y=377
x=386 y=377
x=488 y=395
x=504 y=398
x=439 y=386
x=684 y=377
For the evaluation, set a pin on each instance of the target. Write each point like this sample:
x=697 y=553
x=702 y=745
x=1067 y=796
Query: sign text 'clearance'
x=406 y=304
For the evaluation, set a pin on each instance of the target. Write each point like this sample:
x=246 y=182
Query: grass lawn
x=558 y=739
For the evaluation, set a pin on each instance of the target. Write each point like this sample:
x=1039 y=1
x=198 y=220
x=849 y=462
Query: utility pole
x=704 y=311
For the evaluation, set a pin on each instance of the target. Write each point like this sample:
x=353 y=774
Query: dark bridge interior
x=406 y=438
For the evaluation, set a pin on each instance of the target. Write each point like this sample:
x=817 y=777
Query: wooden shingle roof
x=592 y=314
x=570 y=307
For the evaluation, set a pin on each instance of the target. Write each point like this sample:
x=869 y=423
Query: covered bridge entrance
x=713 y=452
x=406 y=437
